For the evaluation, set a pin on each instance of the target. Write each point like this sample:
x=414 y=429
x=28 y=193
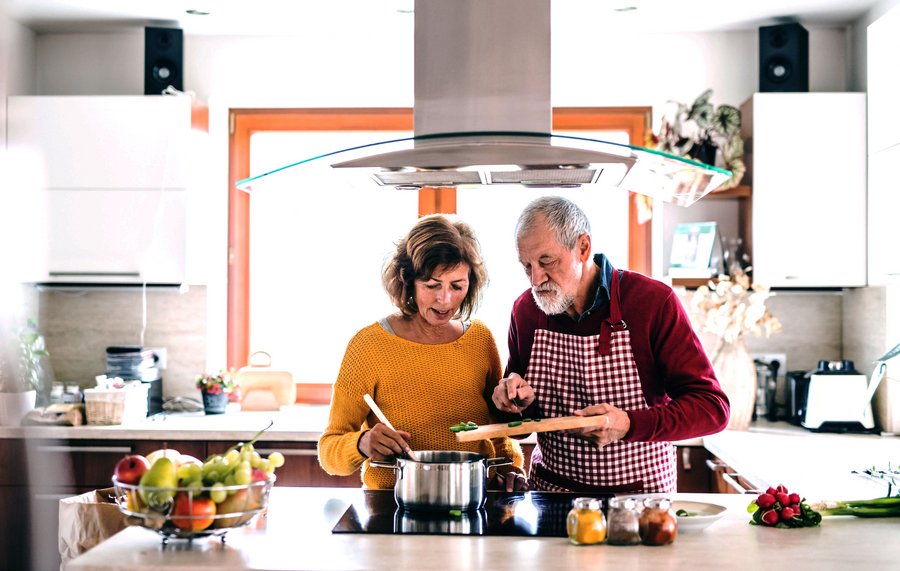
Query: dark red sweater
x=679 y=384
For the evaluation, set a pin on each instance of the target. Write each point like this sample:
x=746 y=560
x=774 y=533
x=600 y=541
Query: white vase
x=737 y=375
x=14 y=407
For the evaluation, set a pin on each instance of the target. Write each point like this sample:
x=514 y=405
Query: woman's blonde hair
x=435 y=241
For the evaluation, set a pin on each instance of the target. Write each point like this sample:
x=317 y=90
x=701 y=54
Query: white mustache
x=551 y=287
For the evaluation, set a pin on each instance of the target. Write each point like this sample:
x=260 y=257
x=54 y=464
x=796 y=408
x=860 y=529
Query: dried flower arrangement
x=732 y=306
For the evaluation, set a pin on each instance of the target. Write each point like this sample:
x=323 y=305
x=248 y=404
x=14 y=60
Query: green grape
x=195 y=486
x=188 y=472
x=247 y=449
x=232 y=457
x=270 y=468
x=242 y=477
x=229 y=480
x=263 y=465
x=276 y=459
x=255 y=459
x=218 y=493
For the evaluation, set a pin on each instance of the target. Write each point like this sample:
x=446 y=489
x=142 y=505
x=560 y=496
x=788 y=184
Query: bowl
x=190 y=512
x=699 y=514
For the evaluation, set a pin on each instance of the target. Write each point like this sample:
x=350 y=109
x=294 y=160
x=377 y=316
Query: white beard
x=555 y=305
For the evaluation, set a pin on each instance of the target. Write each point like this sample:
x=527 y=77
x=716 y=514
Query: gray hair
x=565 y=219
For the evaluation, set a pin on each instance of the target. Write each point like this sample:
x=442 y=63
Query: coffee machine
x=837 y=399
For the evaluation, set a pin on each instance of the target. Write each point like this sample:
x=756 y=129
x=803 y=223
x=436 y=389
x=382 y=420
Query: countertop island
x=296 y=534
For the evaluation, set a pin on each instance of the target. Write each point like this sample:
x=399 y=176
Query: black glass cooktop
x=539 y=514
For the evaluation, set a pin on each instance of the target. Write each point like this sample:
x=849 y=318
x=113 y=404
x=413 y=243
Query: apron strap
x=614 y=322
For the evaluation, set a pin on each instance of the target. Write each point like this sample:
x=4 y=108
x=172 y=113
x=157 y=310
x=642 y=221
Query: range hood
x=482 y=115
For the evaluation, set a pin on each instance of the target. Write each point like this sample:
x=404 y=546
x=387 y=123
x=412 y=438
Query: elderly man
x=588 y=339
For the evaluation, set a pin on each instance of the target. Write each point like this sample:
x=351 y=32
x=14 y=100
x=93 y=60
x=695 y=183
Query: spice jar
x=623 y=525
x=658 y=524
x=586 y=524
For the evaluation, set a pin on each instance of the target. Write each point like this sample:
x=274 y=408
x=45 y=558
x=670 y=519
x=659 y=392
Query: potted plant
x=217 y=390
x=704 y=133
x=22 y=374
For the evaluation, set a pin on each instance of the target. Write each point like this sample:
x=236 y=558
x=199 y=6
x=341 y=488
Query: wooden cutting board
x=545 y=425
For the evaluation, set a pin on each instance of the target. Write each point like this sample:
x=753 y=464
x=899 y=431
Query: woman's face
x=439 y=297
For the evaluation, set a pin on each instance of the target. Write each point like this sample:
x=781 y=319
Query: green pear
x=162 y=474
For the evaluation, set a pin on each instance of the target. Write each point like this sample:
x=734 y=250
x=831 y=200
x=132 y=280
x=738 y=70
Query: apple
x=192 y=513
x=130 y=469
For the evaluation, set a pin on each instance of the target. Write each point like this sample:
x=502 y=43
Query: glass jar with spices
x=658 y=524
x=586 y=524
x=623 y=525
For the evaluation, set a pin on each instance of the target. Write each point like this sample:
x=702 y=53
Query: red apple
x=130 y=469
x=192 y=514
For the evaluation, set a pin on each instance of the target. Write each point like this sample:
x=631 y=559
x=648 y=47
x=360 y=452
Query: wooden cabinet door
x=694 y=475
x=301 y=465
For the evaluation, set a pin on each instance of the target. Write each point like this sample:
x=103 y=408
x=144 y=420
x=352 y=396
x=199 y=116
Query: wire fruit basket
x=191 y=512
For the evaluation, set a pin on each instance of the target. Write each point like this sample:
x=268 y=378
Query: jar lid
x=661 y=503
x=586 y=503
x=627 y=503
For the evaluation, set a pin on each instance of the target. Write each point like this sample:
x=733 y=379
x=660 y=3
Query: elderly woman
x=427 y=366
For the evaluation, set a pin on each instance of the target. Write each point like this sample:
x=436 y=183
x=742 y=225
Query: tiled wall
x=79 y=326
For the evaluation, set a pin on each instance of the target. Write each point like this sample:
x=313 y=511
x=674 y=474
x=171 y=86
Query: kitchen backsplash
x=78 y=328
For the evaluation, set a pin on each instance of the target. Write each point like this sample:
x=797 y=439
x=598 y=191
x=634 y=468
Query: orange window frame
x=245 y=122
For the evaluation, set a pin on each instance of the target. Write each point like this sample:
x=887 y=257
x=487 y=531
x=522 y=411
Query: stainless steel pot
x=442 y=523
x=441 y=479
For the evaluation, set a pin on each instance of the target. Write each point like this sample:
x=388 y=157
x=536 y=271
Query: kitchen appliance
x=135 y=363
x=838 y=399
x=441 y=480
x=482 y=115
x=766 y=386
x=535 y=514
x=796 y=386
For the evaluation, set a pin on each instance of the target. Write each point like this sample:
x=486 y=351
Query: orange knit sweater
x=422 y=389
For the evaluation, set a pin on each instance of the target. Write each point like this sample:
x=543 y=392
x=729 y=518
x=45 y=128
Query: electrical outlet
x=161 y=353
x=769 y=357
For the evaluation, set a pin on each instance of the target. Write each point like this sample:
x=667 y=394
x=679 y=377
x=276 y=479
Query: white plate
x=702 y=514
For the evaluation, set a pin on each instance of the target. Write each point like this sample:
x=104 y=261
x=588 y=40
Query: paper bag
x=86 y=520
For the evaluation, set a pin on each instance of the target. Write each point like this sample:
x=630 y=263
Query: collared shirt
x=601 y=295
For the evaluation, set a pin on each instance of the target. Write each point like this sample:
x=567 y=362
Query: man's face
x=554 y=271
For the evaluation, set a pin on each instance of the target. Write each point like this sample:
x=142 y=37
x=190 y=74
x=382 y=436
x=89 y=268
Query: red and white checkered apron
x=568 y=372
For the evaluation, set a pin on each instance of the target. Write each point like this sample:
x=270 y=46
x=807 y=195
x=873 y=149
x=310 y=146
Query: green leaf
x=752 y=507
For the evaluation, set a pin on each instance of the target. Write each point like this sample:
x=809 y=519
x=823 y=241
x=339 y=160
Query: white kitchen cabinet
x=883 y=82
x=807 y=154
x=883 y=207
x=113 y=171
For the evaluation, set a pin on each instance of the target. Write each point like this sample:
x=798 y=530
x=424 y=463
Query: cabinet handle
x=60 y=274
x=102 y=449
x=734 y=483
x=686 y=459
x=715 y=465
x=290 y=451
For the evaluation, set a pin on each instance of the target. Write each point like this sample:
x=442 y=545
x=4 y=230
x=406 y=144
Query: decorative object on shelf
x=728 y=308
x=216 y=390
x=25 y=374
x=704 y=133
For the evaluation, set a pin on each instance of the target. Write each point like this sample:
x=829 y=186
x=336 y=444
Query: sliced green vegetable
x=526 y=420
x=514 y=423
x=456 y=513
x=456 y=428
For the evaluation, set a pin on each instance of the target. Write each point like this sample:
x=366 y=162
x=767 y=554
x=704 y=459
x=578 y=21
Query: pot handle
x=383 y=464
x=496 y=462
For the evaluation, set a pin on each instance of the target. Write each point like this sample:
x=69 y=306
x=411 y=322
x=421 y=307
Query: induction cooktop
x=538 y=514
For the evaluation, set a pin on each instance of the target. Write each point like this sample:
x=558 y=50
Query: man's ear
x=584 y=247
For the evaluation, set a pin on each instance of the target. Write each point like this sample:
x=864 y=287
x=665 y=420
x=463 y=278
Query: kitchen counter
x=816 y=465
x=295 y=423
x=297 y=535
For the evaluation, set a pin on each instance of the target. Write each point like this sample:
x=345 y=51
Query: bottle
x=56 y=393
x=658 y=524
x=586 y=524
x=623 y=522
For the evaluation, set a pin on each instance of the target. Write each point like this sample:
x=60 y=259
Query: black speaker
x=163 y=54
x=783 y=58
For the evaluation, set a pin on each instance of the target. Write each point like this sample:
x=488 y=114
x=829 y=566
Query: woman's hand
x=382 y=443
x=513 y=394
x=616 y=427
x=509 y=482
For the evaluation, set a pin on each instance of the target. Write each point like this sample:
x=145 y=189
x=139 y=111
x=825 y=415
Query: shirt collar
x=601 y=296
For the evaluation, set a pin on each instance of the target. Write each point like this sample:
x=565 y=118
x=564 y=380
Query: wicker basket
x=115 y=406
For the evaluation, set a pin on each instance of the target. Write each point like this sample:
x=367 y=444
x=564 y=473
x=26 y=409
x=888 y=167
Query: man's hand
x=513 y=394
x=509 y=482
x=382 y=443
x=617 y=425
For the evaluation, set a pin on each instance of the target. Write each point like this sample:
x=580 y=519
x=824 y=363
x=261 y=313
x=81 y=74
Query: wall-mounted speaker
x=783 y=58
x=163 y=55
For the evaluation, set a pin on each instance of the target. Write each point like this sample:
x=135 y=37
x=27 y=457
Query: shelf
x=740 y=191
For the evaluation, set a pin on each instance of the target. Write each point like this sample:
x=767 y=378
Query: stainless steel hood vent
x=482 y=115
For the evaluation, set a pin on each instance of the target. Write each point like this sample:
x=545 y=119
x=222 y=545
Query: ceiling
x=268 y=17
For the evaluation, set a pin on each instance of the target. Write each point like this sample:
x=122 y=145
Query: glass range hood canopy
x=530 y=159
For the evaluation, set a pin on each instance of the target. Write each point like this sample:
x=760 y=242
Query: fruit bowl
x=191 y=512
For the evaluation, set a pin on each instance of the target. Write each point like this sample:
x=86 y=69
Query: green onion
x=878 y=507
